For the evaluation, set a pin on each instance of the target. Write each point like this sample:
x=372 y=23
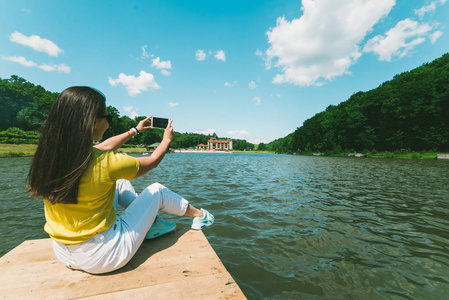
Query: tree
x=23 y=104
x=411 y=111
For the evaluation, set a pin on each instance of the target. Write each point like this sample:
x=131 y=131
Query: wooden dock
x=178 y=265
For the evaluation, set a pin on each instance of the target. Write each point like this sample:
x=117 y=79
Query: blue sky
x=254 y=70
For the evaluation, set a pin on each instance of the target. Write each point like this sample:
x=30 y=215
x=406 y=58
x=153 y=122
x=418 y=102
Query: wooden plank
x=174 y=290
x=177 y=265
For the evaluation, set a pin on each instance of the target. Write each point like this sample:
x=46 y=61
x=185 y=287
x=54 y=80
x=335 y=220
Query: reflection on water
x=297 y=227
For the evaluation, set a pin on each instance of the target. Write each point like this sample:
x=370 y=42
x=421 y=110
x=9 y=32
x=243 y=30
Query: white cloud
x=426 y=9
x=208 y=131
x=173 y=104
x=35 y=42
x=128 y=109
x=20 y=60
x=257 y=100
x=258 y=53
x=258 y=141
x=238 y=134
x=158 y=64
x=61 y=68
x=133 y=115
x=230 y=84
x=220 y=55
x=165 y=73
x=252 y=85
x=324 y=41
x=131 y=111
x=398 y=41
x=435 y=36
x=200 y=55
x=135 y=85
x=431 y=7
x=144 y=52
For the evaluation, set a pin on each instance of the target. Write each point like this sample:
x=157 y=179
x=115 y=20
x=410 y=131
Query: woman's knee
x=122 y=183
x=155 y=187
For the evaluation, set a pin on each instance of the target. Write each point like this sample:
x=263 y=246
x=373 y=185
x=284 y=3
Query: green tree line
x=25 y=106
x=409 y=112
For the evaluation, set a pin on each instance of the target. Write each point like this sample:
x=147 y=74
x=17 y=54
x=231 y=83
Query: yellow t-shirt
x=72 y=224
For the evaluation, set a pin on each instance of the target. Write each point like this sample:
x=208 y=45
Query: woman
x=82 y=185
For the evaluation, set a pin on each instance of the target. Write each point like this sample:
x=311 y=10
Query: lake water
x=295 y=226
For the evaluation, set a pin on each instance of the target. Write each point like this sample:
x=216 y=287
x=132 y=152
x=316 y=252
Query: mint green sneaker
x=199 y=223
x=159 y=228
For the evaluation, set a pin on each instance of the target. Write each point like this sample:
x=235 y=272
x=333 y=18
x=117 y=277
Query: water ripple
x=298 y=227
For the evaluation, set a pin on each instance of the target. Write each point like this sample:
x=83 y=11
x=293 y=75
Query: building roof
x=214 y=140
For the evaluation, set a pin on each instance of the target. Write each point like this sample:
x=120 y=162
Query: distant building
x=202 y=147
x=219 y=144
x=153 y=147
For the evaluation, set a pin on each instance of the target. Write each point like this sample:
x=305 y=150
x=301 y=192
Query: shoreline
x=28 y=150
x=227 y=152
x=383 y=155
x=201 y=151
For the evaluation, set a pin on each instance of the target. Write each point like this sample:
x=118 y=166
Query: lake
x=296 y=226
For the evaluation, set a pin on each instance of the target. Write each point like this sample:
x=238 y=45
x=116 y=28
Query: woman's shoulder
x=98 y=154
x=111 y=155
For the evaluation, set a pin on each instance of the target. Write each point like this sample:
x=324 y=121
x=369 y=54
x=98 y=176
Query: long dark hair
x=65 y=145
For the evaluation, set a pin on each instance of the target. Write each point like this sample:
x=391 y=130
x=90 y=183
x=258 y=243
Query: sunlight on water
x=297 y=227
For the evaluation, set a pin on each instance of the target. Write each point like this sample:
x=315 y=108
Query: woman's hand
x=148 y=163
x=169 y=132
x=144 y=125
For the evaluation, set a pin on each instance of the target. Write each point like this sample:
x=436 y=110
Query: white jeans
x=113 y=248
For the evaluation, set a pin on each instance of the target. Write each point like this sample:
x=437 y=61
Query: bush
x=13 y=153
x=338 y=149
x=33 y=133
x=15 y=130
x=16 y=135
x=7 y=140
x=416 y=155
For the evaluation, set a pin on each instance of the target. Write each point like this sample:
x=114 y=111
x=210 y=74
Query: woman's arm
x=115 y=142
x=151 y=162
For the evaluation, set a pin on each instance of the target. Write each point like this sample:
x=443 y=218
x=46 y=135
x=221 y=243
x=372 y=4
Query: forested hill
x=409 y=112
x=25 y=106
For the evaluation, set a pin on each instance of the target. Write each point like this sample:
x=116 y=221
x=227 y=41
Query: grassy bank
x=238 y=151
x=409 y=155
x=17 y=149
x=30 y=149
